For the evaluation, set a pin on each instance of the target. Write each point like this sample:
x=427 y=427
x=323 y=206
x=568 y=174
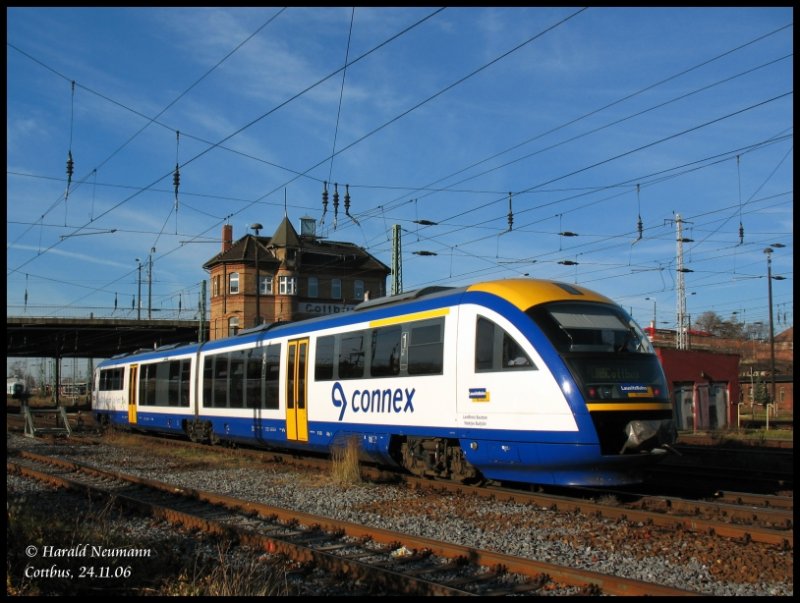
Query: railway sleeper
x=437 y=458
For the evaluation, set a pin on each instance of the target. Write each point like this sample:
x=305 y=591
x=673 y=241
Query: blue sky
x=590 y=118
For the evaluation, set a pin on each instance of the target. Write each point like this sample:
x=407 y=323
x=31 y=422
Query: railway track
x=390 y=562
x=744 y=517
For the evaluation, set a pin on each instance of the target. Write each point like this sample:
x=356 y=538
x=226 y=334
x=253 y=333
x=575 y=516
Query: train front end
x=610 y=377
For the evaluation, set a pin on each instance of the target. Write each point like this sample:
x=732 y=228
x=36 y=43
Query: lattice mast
x=681 y=342
x=397 y=261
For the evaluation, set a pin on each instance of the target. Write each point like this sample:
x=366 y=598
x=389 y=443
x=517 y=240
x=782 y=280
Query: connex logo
x=376 y=401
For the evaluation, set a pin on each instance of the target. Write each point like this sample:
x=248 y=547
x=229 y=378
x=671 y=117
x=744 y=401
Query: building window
x=234 y=283
x=358 y=290
x=265 y=282
x=215 y=286
x=336 y=288
x=233 y=326
x=313 y=286
x=288 y=285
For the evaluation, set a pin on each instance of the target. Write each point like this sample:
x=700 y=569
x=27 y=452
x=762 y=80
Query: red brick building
x=710 y=379
x=704 y=386
x=298 y=276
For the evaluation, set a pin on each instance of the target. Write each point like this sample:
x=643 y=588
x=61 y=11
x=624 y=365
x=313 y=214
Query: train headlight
x=473 y=445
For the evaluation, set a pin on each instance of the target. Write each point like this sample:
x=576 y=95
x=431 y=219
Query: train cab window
x=591 y=328
x=385 y=360
x=111 y=379
x=426 y=347
x=496 y=350
x=351 y=356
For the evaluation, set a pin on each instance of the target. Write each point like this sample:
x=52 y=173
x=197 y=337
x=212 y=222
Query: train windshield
x=606 y=350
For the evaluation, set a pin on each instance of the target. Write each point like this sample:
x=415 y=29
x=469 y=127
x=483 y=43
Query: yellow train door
x=296 y=390
x=132 y=384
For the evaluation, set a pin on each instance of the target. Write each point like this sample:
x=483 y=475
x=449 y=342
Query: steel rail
x=571 y=576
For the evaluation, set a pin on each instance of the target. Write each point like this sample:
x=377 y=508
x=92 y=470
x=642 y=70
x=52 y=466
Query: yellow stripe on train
x=607 y=406
x=395 y=320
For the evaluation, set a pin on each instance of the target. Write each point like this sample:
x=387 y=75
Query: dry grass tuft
x=345 y=469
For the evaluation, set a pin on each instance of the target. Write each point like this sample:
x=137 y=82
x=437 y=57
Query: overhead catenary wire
x=359 y=216
x=339 y=108
x=259 y=118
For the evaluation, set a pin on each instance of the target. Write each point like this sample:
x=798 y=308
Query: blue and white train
x=517 y=380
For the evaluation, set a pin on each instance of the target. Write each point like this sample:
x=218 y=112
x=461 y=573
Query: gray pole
x=768 y=251
x=139 y=302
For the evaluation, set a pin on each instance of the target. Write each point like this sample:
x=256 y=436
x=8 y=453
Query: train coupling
x=652 y=436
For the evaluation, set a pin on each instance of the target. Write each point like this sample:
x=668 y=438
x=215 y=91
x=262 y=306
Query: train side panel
x=444 y=382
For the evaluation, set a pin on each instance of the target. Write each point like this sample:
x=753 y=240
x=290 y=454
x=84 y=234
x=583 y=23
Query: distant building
x=710 y=379
x=299 y=276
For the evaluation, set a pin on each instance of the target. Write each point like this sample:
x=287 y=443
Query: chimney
x=227 y=237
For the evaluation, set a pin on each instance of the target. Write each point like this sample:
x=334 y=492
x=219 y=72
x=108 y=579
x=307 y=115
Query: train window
x=143 y=373
x=426 y=347
x=236 y=379
x=174 y=396
x=385 y=360
x=219 y=397
x=591 y=328
x=323 y=359
x=147 y=385
x=271 y=375
x=253 y=388
x=208 y=380
x=496 y=350
x=111 y=379
x=351 y=355
x=186 y=372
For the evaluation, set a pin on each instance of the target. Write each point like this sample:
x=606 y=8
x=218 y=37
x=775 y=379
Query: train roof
x=527 y=292
x=522 y=293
